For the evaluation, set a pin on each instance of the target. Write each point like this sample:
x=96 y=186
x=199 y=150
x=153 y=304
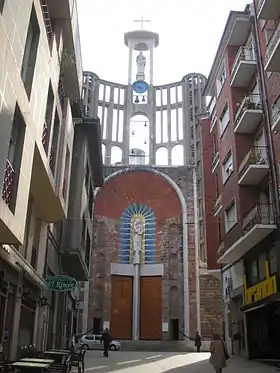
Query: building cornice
x=224 y=42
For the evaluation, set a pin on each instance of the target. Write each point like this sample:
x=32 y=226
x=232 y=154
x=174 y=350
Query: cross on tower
x=142 y=21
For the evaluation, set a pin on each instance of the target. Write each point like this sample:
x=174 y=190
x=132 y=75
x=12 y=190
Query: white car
x=93 y=342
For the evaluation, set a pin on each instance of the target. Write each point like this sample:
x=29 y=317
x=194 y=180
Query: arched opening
x=103 y=147
x=162 y=156
x=139 y=140
x=116 y=155
x=177 y=155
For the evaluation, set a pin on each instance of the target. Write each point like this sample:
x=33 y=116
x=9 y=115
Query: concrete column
x=36 y=323
x=136 y=302
x=130 y=64
x=151 y=65
x=54 y=323
x=17 y=311
x=85 y=307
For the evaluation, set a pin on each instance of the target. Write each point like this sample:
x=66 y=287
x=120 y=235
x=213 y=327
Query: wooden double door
x=150 y=307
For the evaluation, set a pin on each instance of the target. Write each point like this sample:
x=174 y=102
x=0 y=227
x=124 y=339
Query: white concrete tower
x=140 y=93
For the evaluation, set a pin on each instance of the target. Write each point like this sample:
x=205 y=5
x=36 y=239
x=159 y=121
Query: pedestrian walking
x=219 y=354
x=197 y=341
x=106 y=339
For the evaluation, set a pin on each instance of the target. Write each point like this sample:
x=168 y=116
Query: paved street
x=140 y=362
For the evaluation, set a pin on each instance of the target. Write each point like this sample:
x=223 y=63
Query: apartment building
x=40 y=89
x=243 y=86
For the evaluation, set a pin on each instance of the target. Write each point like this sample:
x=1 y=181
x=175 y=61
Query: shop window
x=272 y=261
x=261 y=266
x=252 y=269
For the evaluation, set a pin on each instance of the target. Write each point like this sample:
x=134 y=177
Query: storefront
x=8 y=282
x=262 y=310
x=29 y=300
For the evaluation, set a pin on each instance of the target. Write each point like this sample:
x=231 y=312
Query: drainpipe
x=267 y=118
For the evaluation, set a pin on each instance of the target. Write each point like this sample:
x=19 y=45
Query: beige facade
x=40 y=81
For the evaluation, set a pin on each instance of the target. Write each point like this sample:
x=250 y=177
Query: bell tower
x=139 y=133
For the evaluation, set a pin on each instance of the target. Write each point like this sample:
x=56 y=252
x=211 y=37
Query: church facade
x=150 y=278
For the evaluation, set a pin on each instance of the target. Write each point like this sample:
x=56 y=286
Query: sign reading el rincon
x=61 y=283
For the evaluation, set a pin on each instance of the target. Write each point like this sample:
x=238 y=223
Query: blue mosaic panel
x=125 y=253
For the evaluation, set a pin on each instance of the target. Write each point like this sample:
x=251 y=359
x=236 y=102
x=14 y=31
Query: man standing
x=106 y=339
x=197 y=341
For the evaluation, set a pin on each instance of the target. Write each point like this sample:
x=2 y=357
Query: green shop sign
x=61 y=283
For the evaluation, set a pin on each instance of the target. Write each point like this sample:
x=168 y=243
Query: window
x=224 y=119
x=48 y=119
x=273 y=260
x=54 y=146
x=252 y=269
x=221 y=78
x=227 y=167
x=90 y=201
x=261 y=264
x=219 y=230
x=30 y=52
x=217 y=185
x=11 y=177
x=66 y=173
x=89 y=337
x=88 y=247
x=230 y=216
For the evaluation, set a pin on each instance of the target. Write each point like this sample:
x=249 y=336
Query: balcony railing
x=251 y=103
x=275 y=123
x=268 y=9
x=253 y=228
x=256 y=156
x=244 y=54
x=45 y=137
x=61 y=92
x=262 y=213
x=215 y=160
x=9 y=178
x=47 y=20
x=218 y=205
x=272 y=46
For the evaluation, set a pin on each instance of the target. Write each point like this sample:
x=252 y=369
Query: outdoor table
x=58 y=355
x=37 y=360
x=25 y=365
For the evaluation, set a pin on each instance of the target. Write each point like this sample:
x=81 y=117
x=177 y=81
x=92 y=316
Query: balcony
x=268 y=9
x=65 y=11
x=254 y=167
x=275 y=122
x=272 y=57
x=244 y=68
x=216 y=161
x=8 y=185
x=218 y=205
x=255 y=226
x=45 y=138
x=249 y=115
x=75 y=264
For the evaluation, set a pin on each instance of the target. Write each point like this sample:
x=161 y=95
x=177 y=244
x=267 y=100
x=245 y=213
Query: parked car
x=93 y=342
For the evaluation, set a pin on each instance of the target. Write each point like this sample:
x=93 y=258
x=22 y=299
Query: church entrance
x=150 y=308
x=121 y=307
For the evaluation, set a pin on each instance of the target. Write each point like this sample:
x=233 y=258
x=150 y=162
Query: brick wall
x=211 y=309
x=142 y=186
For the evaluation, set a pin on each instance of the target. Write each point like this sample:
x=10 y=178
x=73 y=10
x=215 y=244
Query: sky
x=189 y=33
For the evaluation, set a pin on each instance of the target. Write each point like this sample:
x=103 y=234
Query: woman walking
x=219 y=354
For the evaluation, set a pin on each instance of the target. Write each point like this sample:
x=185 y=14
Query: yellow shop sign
x=261 y=290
